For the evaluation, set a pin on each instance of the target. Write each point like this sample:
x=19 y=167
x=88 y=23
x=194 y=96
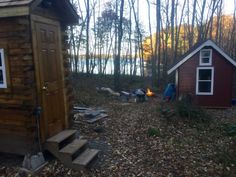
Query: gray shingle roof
x=8 y=3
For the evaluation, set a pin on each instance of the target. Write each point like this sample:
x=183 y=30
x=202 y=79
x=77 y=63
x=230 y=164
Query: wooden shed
x=206 y=73
x=33 y=71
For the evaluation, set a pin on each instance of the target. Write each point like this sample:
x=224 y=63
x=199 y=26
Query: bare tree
x=117 y=58
x=158 y=30
x=172 y=21
x=87 y=36
x=191 y=32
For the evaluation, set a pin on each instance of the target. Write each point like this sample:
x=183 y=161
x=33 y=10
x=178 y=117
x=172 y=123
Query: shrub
x=193 y=113
x=229 y=129
x=154 y=132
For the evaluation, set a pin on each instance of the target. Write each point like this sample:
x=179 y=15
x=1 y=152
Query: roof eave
x=71 y=16
x=14 y=11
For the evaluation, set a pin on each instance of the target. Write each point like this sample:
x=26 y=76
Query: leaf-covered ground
x=138 y=141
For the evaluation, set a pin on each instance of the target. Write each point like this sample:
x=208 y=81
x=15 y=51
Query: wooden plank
x=38 y=18
x=86 y=157
x=74 y=146
x=14 y=11
x=61 y=136
x=13 y=143
x=99 y=117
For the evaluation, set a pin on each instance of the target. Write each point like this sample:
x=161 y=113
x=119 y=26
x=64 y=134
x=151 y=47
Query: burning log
x=149 y=93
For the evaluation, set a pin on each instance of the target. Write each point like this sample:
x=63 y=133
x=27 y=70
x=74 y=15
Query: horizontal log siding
x=67 y=73
x=19 y=99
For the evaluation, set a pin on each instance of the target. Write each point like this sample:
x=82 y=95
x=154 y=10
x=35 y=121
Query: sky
x=228 y=9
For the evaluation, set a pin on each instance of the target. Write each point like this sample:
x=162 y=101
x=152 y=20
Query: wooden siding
x=223 y=78
x=18 y=100
x=68 y=89
x=16 y=40
x=234 y=85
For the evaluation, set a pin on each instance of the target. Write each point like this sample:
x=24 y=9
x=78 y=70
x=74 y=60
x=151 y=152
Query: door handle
x=45 y=88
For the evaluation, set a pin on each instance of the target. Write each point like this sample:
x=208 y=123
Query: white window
x=205 y=81
x=205 y=57
x=3 y=82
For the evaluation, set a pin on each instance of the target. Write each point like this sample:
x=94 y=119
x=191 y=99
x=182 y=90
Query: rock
x=99 y=129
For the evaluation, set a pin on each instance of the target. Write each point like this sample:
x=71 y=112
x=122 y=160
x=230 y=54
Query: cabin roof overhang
x=14 y=8
x=197 y=48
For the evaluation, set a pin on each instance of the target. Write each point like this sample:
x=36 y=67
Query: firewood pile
x=137 y=95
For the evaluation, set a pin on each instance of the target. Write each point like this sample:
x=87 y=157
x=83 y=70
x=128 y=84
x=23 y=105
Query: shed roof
x=8 y=3
x=196 y=48
x=9 y=8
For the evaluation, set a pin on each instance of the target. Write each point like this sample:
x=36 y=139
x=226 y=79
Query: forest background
x=144 y=37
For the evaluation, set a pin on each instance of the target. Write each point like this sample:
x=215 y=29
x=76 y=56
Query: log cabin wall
x=69 y=93
x=20 y=98
x=17 y=101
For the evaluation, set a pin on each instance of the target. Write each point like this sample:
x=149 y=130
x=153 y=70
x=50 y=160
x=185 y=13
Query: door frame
x=39 y=96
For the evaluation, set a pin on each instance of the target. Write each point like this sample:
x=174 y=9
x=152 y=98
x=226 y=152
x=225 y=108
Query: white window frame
x=210 y=57
x=3 y=69
x=212 y=81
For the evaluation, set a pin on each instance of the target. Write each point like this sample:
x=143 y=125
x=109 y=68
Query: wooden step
x=86 y=157
x=59 y=141
x=72 y=150
x=58 y=138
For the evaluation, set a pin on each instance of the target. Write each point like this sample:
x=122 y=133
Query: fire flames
x=149 y=93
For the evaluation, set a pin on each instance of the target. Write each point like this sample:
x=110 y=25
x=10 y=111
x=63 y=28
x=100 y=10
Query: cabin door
x=50 y=76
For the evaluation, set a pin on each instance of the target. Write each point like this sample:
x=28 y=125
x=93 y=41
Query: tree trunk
x=87 y=37
x=117 y=58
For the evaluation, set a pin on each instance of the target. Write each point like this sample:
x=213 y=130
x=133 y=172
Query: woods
x=112 y=37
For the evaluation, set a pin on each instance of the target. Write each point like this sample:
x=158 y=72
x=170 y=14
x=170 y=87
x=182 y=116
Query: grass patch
x=154 y=132
x=229 y=129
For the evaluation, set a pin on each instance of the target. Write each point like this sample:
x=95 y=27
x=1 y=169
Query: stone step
x=86 y=157
x=72 y=150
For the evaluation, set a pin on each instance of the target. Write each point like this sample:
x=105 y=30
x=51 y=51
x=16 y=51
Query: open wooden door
x=48 y=54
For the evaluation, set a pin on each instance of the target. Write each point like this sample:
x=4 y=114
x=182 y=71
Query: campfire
x=149 y=93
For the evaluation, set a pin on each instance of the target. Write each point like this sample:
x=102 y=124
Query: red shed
x=206 y=72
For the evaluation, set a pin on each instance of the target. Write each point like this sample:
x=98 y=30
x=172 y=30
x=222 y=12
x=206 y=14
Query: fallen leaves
x=183 y=149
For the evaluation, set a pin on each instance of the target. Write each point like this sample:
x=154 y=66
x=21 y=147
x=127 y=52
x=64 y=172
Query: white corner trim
x=207 y=43
x=3 y=69
x=212 y=81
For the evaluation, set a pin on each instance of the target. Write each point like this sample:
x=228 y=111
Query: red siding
x=234 y=85
x=223 y=81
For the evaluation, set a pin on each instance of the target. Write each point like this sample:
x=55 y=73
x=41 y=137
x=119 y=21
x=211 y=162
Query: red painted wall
x=223 y=81
x=234 y=84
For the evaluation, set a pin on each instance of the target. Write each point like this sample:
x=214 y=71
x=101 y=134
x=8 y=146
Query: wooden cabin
x=206 y=73
x=33 y=72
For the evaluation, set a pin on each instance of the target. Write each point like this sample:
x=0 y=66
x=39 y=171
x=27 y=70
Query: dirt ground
x=177 y=148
